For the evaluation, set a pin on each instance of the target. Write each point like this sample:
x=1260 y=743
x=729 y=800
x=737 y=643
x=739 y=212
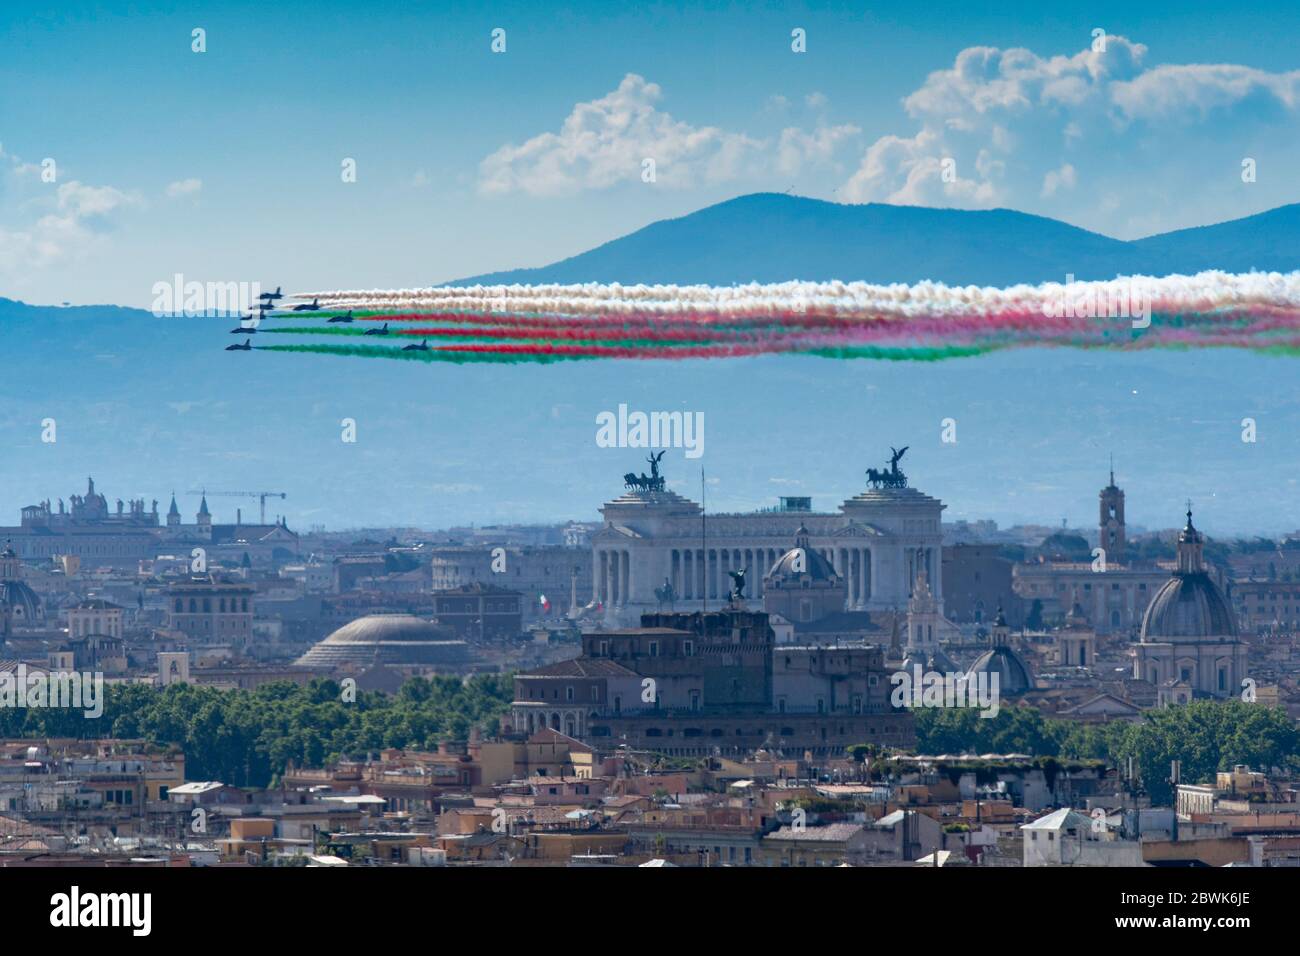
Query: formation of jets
x=267 y=303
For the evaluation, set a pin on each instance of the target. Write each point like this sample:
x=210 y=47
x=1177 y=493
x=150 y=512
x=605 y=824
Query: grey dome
x=939 y=661
x=1013 y=673
x=1188 y=607
x=23 y=602
x=387 y=627
x=387 y=639
x=815 y=565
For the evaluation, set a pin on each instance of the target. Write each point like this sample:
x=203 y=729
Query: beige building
x=1112 y=592
x=210 y=610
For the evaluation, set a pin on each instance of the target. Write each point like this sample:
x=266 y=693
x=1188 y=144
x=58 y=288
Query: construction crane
x=261 y=496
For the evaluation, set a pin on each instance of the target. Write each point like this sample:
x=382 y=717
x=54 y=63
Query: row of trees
x=1207 y=736
x=247 y=738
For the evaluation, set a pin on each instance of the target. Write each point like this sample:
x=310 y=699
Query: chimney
x=239 y=517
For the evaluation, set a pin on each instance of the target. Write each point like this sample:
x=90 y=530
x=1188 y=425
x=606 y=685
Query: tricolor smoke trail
x=926 y=321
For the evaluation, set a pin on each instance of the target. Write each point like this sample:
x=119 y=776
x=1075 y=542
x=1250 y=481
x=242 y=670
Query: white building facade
x=655 y=550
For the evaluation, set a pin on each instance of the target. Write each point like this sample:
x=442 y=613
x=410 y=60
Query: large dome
x=1188 y=607
x=23 y=602
x=802 y=562
x=387 y=639
x=387 y=627
x=1014 y=676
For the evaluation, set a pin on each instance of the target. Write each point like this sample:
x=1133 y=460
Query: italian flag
x=546 y=605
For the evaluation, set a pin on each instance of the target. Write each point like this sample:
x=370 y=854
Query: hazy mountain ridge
x=772 y=237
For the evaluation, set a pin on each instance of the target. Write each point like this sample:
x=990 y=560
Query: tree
x=248 y=737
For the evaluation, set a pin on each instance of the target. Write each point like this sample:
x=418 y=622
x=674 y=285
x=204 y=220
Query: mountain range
x=772 y=237
x=149 y=404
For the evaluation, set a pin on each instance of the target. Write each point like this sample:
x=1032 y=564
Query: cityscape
x=446 y=443
x=812 y=684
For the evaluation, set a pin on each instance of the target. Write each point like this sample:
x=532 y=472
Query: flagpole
x=704 y=542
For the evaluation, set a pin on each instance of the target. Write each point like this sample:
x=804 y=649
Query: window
x=688 y=648
x=654 y=648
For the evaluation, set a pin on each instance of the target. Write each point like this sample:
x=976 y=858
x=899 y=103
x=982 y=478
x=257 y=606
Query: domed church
x=802 y=585
x=19 y=604
x=1189 y=645
x=1014 y=675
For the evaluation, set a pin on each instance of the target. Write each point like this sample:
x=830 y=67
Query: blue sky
x=225 y=165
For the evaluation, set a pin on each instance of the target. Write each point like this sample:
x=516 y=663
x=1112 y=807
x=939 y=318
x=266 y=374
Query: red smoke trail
x=561 y=332
x=612 y=351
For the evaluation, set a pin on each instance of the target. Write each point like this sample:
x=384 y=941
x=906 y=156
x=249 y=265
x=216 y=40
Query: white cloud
x=605 y=141
x=184 y=187
x=797 y=148
x=1022 y=129
x=70 y=218
x=1063 y=178
x=84 y=202
x=1180 y=91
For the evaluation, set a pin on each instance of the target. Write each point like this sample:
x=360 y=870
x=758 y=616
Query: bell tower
x=1111 y=522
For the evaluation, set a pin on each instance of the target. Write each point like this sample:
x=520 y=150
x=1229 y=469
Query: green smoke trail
x=454 y=358
x=894 y=354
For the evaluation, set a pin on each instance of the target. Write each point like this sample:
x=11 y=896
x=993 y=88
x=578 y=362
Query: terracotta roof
x=580 y=667
x=830 y=833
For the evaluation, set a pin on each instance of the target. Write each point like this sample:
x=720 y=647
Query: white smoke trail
x=1202 y=292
